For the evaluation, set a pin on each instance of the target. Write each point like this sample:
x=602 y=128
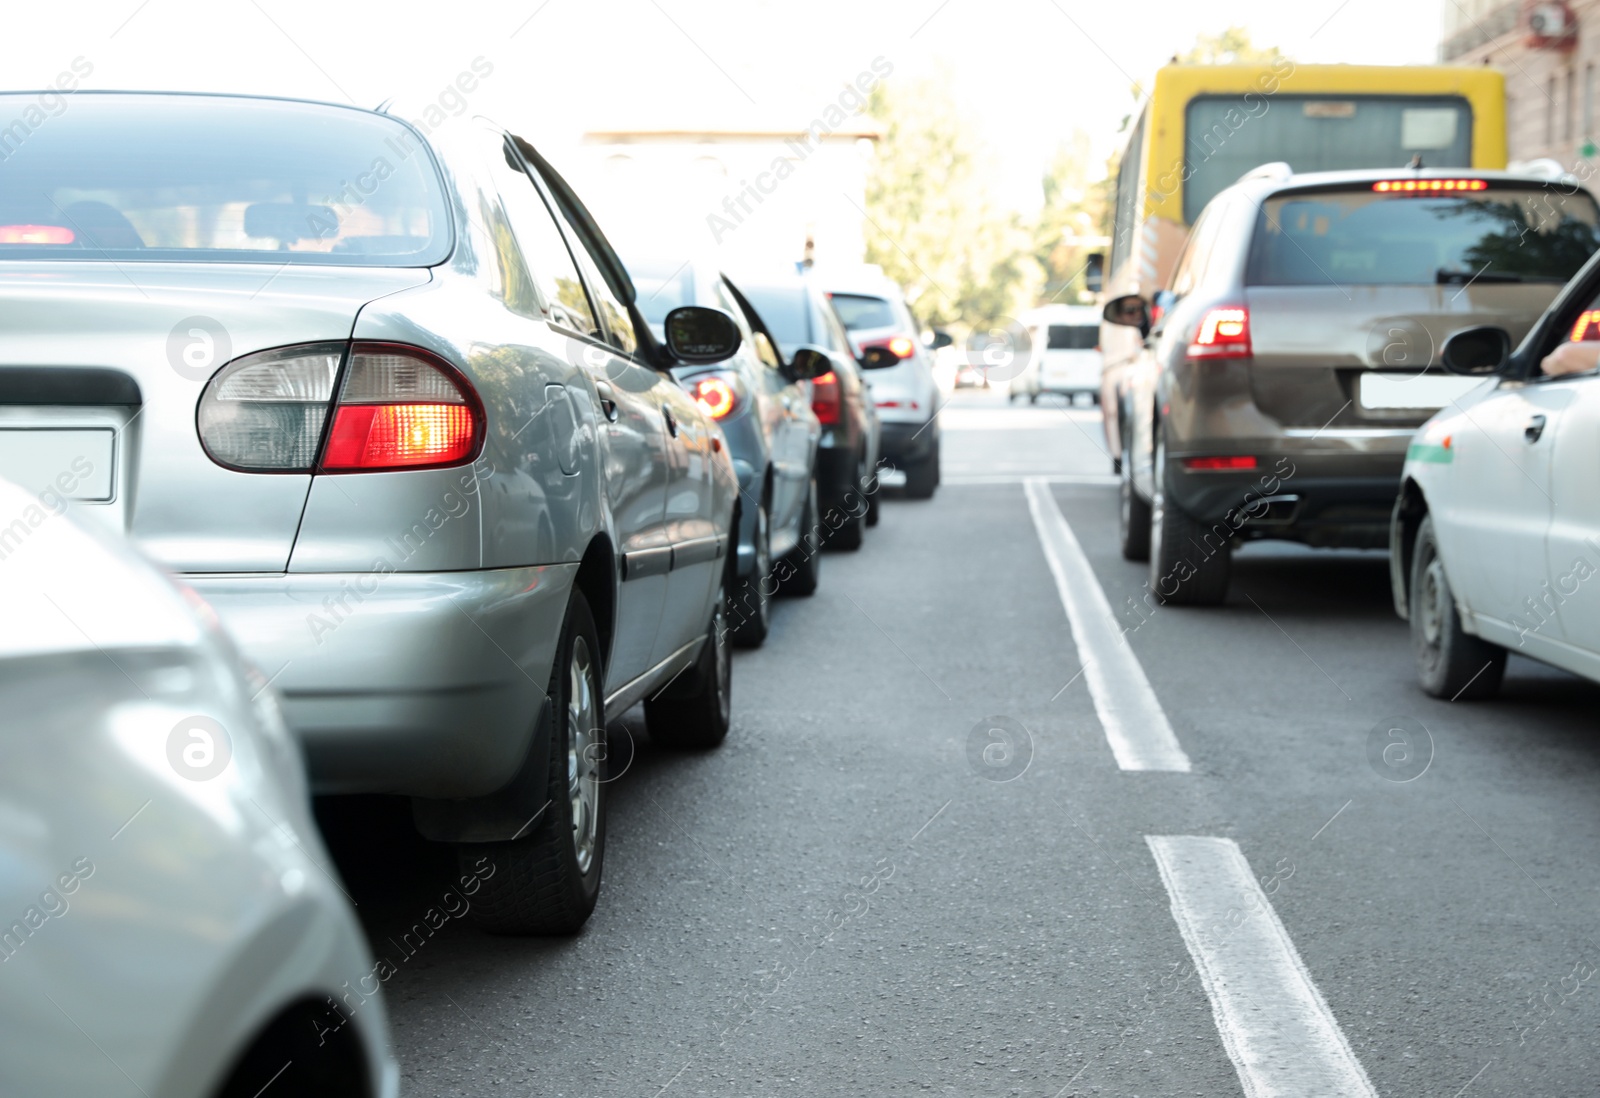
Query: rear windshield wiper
x=1445 y=277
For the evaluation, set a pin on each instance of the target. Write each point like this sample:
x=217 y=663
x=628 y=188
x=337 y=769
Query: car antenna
x=1416 y=162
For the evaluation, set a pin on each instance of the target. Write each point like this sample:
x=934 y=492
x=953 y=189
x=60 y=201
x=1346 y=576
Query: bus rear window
x=1227 y=135
x=1364 y=238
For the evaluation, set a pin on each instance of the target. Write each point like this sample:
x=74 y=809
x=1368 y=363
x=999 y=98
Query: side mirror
x=1130 y=311
x=878 y=358
x=808 y=364
x=1477 y=352
x=942 y=339
x=697 y=335
x=1094 y=269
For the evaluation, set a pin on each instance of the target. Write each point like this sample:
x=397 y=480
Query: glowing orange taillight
x=1223 y=333
x=1587 y=327
x=1429 y=186
x=715 y=396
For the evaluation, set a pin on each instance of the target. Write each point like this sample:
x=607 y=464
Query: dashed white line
x=1136 y=726
x=1274 y=1023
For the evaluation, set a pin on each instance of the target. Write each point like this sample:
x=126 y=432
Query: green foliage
x=1232 y=46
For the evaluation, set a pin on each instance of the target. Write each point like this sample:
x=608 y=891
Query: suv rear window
x=857 y=311
x=1072 y=337
x=1345 y=236
x=225 y=179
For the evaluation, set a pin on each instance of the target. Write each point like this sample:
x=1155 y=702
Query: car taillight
x=1223 y=333
x=402 y=408
x=825 y=399
x=265 y=412
x=899 y=346
x=716 y=395
x=1232 y=461
x=1587 y=326
x=36 y=234
x=1428 y=186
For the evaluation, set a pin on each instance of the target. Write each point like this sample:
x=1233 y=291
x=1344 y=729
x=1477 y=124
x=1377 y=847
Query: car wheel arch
x=597 y=579
x=285 y=1037
x=1410 y=508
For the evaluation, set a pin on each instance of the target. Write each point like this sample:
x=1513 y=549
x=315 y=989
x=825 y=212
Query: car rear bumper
x=1332 y=490
x=423 y=684
x=909 y=443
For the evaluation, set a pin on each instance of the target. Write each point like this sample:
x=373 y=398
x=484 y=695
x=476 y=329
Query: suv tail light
x=899 y=346
x=826 y=401
x=402 y=408
x=1223 y=333
x=264 y=413
x=717 y=394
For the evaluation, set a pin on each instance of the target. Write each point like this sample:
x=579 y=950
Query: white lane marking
x=1135 y=724
x=1276 y=1026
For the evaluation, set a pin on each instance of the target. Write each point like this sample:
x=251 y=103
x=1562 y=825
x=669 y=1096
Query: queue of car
x=457 y=481
x=1331 y=363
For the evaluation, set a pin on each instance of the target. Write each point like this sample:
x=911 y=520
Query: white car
x=1063 y=353
x=169 y=922
x=1495 y=540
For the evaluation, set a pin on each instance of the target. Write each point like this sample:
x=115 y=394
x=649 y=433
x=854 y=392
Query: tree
x=933 y=224
x=1232 y=46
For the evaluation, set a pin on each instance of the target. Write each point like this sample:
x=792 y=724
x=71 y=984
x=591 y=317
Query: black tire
x=922 y=479
x=750 y=601
x=849 y=535
x=1094 y=400
x=1190 y=562
x=1133 y=518
x=1033 y=398
x=692 y=713
x=874 y=508
x=1451 y=663
x=548 y=881
x=801 y=567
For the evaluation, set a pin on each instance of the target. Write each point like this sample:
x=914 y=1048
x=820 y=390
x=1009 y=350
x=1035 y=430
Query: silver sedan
x=386 y=401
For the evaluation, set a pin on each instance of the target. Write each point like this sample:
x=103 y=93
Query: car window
x=545 y=258
x=619 y=325
x=1072 y=337
x=838 y=339
x=1364 y=236
x=728 y=305
x=785 y=312
x=203 y=178
x=662 y=290
x=857 y=311
x=1186 y=274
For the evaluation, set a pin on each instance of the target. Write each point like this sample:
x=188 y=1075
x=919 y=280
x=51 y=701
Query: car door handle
x=608 y=401
x=1534 y=429
x=672 y=424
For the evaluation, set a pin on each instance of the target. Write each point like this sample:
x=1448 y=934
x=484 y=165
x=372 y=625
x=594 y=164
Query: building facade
x=1549 y=51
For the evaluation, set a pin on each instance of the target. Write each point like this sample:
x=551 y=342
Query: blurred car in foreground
x=1495 y=537
x=763 y=406
x=168 y=920
x=874 y=312
x=1297 y=352
x=409 y=438
x=792 y=313
x=1063 y=353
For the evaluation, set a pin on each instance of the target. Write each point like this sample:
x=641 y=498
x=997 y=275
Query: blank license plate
x=75 y=464
x=1422 y=392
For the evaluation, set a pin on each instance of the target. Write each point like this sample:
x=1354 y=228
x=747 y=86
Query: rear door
x=786 y=406
x=1573 y=546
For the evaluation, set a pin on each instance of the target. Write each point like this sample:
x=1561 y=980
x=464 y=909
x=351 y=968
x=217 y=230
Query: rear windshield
x=661 y=290
x=1227 y=135
x=783 y=309
x=1363 y=238
x=216 y=178
x=858 y=311
x=1073 y=337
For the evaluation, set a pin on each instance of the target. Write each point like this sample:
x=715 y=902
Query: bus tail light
x=1223 y=333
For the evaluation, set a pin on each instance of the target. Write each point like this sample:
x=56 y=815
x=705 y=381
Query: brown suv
x=1296 y=351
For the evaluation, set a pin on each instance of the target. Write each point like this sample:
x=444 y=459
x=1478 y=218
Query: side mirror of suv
x=808 y=364
x=878 y=358
x=1130 y=311
x=941 y=339
x=697 y=335
x=1477 y=352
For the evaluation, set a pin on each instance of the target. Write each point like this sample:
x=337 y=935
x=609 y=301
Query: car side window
x=1185 y=274
x=554 y=274
x=838 y=339
x=728 y=305
x=618 y=324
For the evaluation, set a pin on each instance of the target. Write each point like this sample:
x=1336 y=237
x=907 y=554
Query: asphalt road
x=848 y=899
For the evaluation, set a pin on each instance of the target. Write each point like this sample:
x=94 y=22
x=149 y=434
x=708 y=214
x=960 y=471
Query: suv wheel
x=1451 y=663
x=923 y=477
x=1133 y=519
x=1190 y=563
x=750 y=605
x=693 y=712
x=849 y=535
x=548 y=882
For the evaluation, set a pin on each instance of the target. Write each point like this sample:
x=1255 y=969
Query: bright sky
x=1028 y=71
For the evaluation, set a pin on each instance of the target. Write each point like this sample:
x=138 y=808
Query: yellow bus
x=1204 y=126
